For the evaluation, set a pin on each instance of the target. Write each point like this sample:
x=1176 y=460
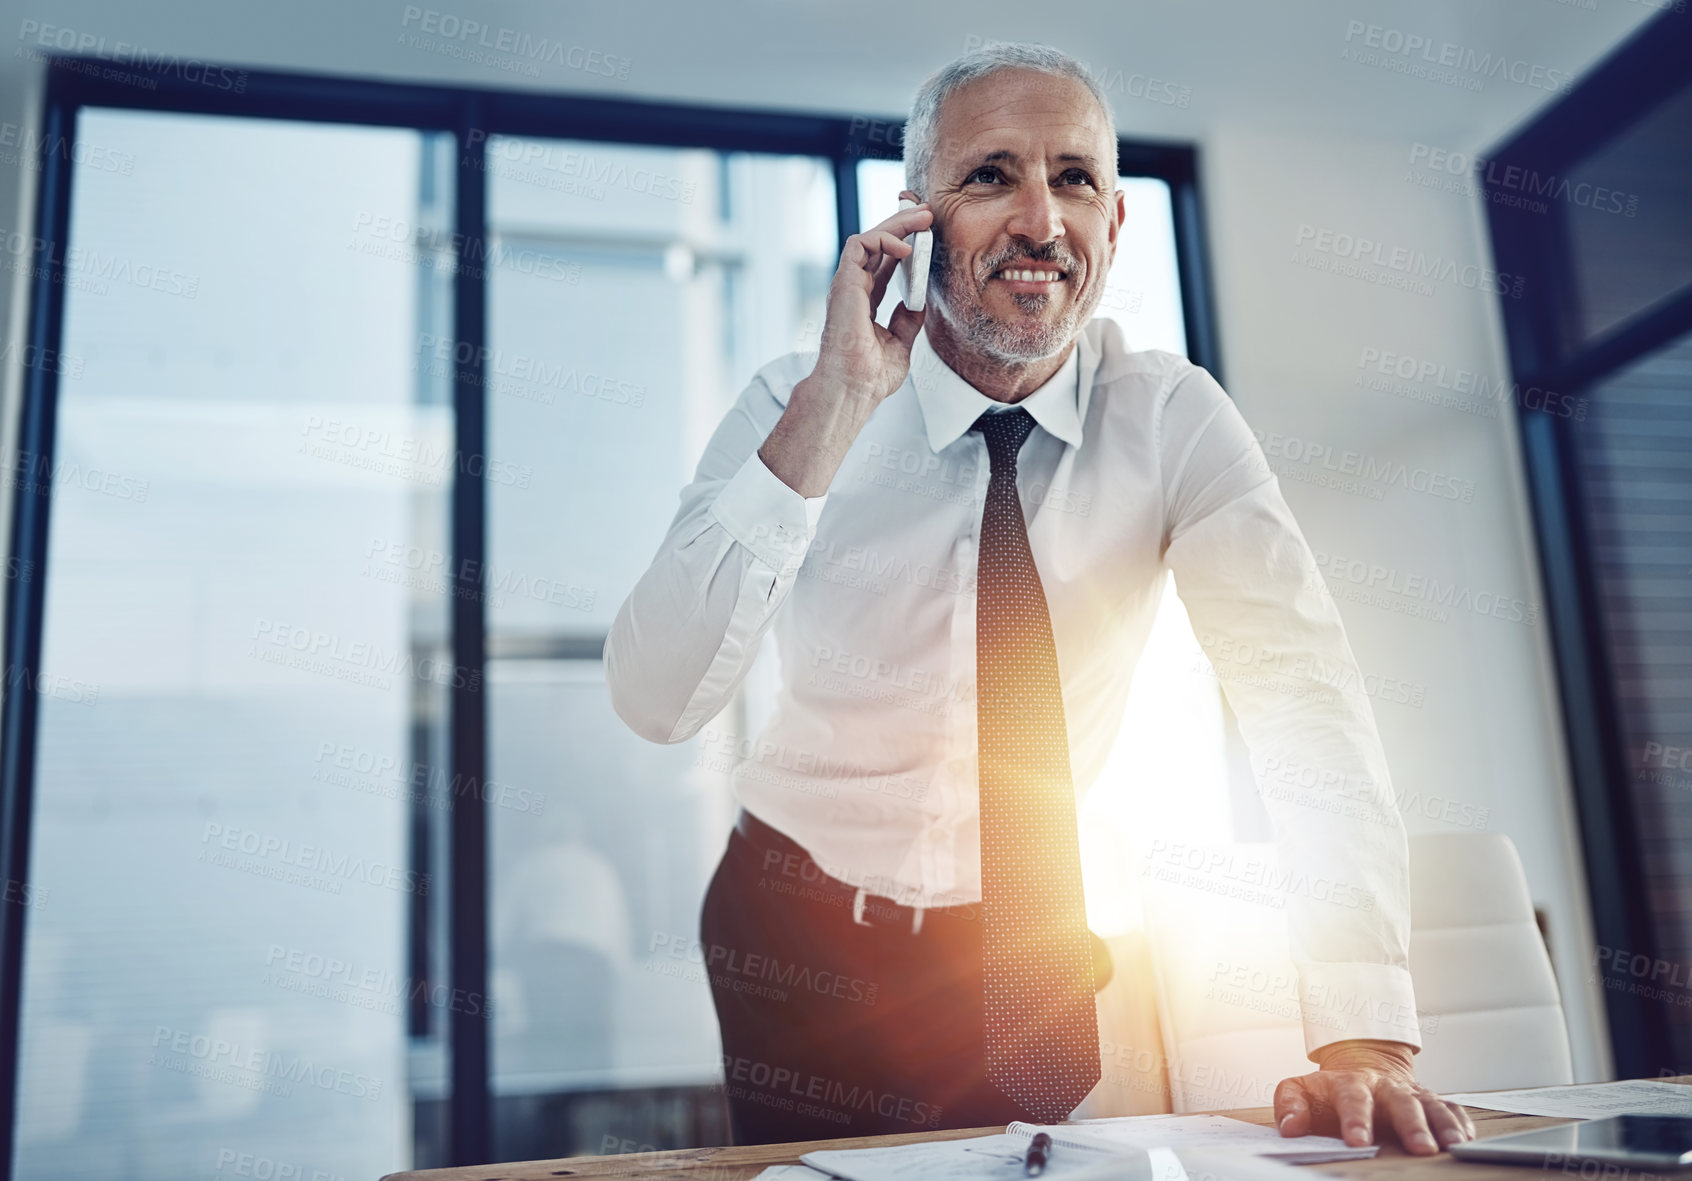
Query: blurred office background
x=252 y=742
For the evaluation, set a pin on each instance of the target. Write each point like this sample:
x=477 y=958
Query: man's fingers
x=1292 y=1108
x=1448 y=1121
x=905 y=324
x=878 y=286
x=905 y=222
x=1404 y=1109
x=1354 y=1105
x=865 y=252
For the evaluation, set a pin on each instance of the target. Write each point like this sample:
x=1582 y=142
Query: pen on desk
x=1038 y=1149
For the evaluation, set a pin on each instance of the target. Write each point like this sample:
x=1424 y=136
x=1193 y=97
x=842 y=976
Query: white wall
x=1292 y=133
x=1483 y=752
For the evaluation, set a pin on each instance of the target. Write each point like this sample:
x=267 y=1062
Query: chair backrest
x=1494 y=1019
x=1227 y=989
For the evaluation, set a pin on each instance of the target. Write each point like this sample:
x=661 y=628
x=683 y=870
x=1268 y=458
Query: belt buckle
x=862 y=895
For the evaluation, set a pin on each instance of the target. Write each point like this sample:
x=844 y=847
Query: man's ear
x=1118 y=215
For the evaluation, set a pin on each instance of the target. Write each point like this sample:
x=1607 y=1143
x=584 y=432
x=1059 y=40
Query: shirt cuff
x=1345 y=1002
x=767 y=517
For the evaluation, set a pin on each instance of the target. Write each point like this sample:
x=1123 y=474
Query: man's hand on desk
x=1362 y=1084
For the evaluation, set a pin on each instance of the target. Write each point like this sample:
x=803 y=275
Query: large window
x=230 y=681
x=366 y=406
x=690 y=269
x=1592 y=205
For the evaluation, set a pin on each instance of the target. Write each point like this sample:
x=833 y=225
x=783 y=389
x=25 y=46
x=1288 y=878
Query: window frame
x=470 y=115
x=1548 y=349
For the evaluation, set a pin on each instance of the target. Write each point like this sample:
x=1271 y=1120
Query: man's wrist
x=810 y=440
x=1365 y=1053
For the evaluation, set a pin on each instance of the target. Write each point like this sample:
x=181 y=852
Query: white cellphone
x=913 y=268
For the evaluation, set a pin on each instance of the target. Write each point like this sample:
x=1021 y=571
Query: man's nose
x=1035 y=216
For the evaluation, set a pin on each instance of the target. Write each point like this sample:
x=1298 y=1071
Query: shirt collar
x=950 y=405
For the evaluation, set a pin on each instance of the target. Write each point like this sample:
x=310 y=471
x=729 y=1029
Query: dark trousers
x=832 y=1028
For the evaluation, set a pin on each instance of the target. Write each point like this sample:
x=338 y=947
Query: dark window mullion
x=469 y=1135
x=26 y=594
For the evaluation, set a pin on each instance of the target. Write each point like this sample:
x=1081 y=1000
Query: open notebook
x=1129 y=1146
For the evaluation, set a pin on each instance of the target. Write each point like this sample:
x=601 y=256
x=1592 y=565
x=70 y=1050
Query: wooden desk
x=739 y=1164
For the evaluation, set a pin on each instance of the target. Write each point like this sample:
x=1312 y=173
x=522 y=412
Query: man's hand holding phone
x=859 y=362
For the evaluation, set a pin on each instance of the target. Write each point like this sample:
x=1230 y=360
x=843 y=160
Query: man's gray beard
x=959 y=302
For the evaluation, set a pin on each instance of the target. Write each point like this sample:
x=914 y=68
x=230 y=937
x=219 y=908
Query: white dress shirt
x=1140 y=465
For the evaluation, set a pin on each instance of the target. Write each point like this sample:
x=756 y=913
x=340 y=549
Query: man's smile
x=1033 y=277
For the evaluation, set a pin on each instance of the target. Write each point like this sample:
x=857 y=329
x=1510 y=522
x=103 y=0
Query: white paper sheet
x=1209 y=1131
x=999 y=1158
x=1215 y=1164
x=982 y=1158
x=791 y=1173
x=1140 y=1148
x=1587 y=1100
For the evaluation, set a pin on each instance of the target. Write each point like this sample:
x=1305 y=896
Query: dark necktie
x=1042 y=1027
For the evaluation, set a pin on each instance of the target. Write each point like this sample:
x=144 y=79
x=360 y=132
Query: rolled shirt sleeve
x=686 y=636
x=1264 y=618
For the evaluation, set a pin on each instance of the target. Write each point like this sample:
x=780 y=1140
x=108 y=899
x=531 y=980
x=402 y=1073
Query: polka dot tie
x=1042 y=1028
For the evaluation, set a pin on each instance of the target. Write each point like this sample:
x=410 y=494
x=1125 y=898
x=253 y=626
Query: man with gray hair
x=958 y=528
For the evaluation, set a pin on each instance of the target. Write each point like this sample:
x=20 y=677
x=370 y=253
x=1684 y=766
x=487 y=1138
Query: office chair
x=1227 y=991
